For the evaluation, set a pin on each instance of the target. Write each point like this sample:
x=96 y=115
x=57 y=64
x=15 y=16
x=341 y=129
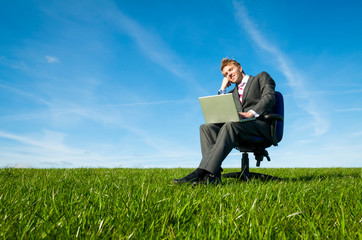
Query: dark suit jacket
x=259 y=94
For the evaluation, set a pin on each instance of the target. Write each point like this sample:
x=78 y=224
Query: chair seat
x=253 y=143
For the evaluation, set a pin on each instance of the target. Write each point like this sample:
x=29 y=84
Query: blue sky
x=116 y=83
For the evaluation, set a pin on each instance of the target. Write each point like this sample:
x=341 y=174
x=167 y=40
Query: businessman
x=254 y=97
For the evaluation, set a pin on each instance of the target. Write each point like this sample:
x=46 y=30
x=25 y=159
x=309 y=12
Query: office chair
x=257 y=145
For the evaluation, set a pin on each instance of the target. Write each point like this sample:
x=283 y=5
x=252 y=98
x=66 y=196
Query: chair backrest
x=279 y=109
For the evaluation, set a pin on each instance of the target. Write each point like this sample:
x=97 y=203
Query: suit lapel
x=246 y=89
x=236 y=99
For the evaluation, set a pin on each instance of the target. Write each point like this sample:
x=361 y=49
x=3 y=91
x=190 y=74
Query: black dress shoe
x=192 y=177
x=209 y=179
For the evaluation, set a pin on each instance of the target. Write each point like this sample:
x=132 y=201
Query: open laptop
x=220 y=109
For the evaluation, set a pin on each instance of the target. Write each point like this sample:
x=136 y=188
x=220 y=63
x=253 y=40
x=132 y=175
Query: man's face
x=233 y=73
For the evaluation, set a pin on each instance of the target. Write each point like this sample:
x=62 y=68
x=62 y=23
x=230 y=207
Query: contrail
x=294 y=77
x=154 y=48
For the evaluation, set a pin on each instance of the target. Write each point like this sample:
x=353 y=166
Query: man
x=254 y=97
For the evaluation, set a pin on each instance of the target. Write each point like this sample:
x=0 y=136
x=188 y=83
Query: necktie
x=240 y=91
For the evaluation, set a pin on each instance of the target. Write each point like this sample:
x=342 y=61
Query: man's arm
x=225 y=84
x=267 y=94
x=261 y=96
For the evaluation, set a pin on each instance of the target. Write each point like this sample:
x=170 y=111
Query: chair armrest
x=273 y=116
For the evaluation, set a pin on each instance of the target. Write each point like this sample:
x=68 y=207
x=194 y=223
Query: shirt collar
x=244 y=80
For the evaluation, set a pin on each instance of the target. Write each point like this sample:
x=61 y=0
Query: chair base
x=245 y=174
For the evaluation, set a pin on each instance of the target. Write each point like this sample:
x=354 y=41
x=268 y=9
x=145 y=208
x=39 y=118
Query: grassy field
x=145 y=204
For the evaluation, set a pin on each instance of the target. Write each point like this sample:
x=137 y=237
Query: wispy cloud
x=52 y=141
x=15 y=64
x=46 y=149
x=25 y=94
x=150 y=103
x=295 y=78
x=153 y=47
x=334 y=92
x=356 y=109
x=51 y=59
x=49 y=150
x=357 y=134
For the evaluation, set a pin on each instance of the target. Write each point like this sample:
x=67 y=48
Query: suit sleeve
x=266 y=96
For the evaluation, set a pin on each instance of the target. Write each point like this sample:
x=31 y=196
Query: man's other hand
x=244 y=115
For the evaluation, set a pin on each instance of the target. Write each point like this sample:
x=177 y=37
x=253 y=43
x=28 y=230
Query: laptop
x=220 y=109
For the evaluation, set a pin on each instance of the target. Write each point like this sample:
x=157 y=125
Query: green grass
x=145 y=204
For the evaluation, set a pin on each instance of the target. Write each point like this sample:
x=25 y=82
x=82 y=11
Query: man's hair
x=227 y=61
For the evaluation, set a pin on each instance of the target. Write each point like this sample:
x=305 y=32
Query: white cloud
x=31 y=96
x=48 y=149
x=295 y=78
x=51 y=141
x=153 y=47
x=356 y=109
x=51 y=59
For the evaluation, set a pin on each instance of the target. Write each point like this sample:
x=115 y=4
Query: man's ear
x=240 y=69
